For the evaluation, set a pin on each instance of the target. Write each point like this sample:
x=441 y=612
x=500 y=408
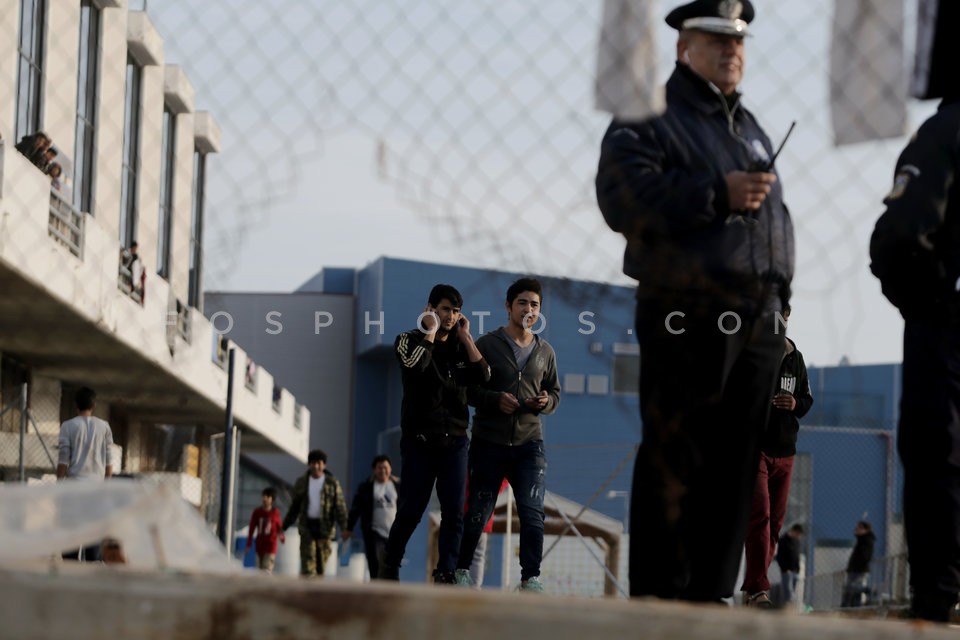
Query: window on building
x=131 y=153
x=195 y=293
x=167 y=171
x=87 y=81
x=30 y=67
x=626 y=373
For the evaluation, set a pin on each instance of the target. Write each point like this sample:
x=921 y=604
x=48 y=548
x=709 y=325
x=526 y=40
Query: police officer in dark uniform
x=915 y=252
x=711 y=245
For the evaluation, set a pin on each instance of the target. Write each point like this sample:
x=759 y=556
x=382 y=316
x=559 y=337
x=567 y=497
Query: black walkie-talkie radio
x=766 y=165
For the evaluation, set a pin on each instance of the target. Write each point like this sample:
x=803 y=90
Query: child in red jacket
x=266 y=524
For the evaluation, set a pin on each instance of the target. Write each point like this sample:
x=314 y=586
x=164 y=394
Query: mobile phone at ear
x=461 y=322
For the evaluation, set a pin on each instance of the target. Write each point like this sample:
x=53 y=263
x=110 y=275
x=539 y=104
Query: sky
x=465 y=133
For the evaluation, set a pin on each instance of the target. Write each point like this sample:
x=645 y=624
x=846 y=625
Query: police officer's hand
x=748 y=190
x=508 y=402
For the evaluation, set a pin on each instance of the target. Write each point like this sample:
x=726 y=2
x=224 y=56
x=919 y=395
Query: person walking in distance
x=85 y=447
x=375 y=506
x=788 y=559
x=267 y=527
x=318 y=508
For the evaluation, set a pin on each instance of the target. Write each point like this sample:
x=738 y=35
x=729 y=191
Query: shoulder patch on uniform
x=902 y=180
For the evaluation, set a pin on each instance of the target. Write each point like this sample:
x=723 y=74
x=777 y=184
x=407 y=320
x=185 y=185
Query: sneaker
x=461 y=578
x=759 y=600
x=532 y=584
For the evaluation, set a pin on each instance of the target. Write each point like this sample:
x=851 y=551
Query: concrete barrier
x=95 y=602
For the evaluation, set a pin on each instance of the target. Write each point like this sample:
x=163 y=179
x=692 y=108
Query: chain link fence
x=28 y=448
x=475 y=121
x=480 y=120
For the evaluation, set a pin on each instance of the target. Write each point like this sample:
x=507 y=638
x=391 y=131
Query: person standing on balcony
x=133 y=266
x=54 y=170
x=318 y=507
x=438 y=361
x=711 y=245
x=85 y=451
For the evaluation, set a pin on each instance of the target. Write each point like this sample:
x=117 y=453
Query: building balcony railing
x=183 y=321
x=298 y=416
x=221 y=350
x=66 y=223
x=250 y=375
x=277 y=395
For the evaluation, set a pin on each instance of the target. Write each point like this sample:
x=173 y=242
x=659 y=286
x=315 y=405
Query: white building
x=91 y=74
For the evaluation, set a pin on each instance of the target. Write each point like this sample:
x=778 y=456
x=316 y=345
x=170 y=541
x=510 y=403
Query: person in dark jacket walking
x=788 y=559
x=507 y=431
x=710 y=243
x=915 y=252
x=778 y=447
x=375 y=506
x=437 y=362
x=858 y=566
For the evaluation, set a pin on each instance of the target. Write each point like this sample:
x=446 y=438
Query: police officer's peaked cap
x=729 y=17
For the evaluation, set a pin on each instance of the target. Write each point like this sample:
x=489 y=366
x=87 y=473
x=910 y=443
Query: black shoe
x=444 y=577
x=934 y=606
x=388 y=572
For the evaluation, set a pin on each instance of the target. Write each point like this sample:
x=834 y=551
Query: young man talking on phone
x=438 y=361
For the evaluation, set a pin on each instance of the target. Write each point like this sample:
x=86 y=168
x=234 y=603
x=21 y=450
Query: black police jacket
x=915 y=246
x=661 y=183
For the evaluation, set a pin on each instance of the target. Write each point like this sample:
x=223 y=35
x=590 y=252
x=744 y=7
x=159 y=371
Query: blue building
x=846 y=467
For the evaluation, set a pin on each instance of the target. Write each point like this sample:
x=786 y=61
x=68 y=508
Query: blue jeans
x=525 y=468
x=422 y=465
x=788 y=587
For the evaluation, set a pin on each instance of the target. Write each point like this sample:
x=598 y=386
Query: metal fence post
x=23 y=430
x=226 y=484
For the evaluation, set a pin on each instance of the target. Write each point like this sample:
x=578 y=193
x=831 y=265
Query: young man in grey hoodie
x=507 y=433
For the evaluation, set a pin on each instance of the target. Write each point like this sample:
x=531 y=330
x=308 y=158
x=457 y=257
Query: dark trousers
x=424 y=464
x=928 y=440
x=374 y=548
x=525 y=468
x=766 y=519
x=704 y=399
